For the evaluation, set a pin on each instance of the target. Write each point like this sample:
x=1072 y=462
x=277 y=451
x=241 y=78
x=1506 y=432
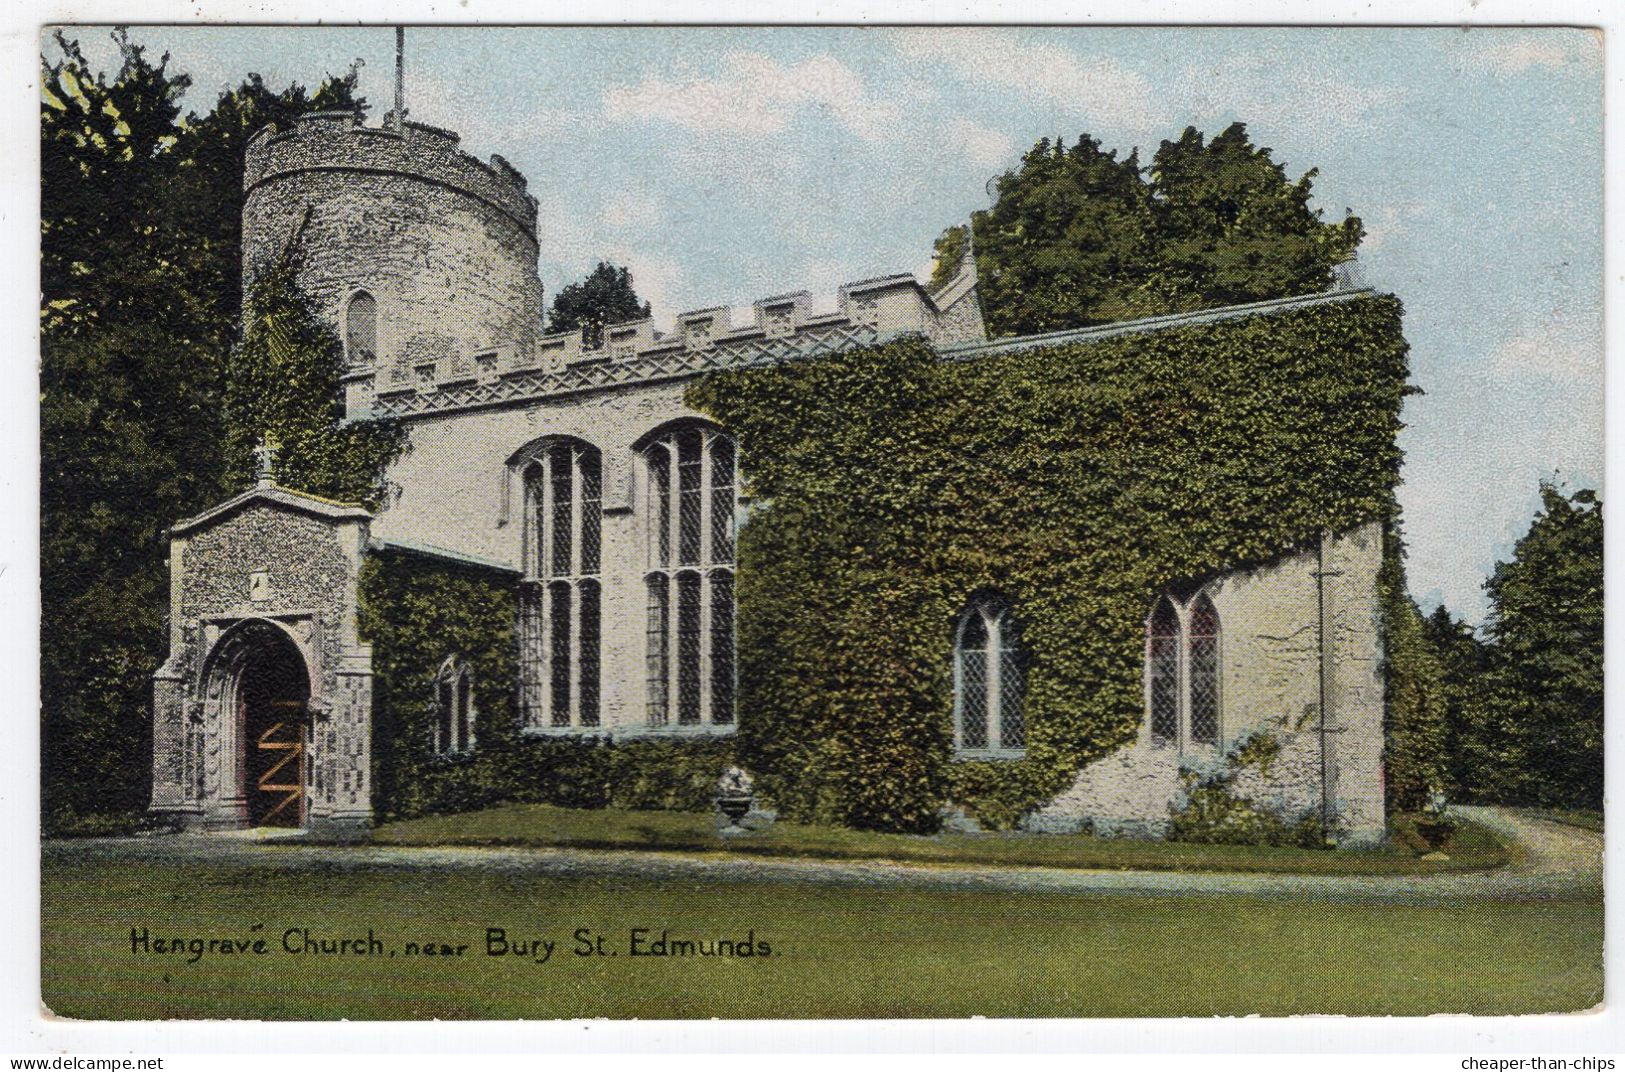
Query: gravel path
x=1554 y=861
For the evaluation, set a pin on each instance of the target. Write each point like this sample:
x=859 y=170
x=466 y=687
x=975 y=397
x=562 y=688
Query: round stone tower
x=418 y=253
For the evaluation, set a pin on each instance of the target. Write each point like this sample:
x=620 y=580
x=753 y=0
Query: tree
x=1543 y=695
x=1077 y=236
x=605 y=297
x=1470 y=770
x=1414 y=723
x=1066 y=240
x=1231 y=228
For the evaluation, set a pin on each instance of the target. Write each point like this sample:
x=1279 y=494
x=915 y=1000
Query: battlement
x=780 y=328
x=340 y=141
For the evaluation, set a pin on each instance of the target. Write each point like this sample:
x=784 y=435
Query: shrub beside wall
x=418 y=610
x=1079 y=479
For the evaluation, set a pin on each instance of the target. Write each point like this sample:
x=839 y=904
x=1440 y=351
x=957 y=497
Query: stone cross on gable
x=265 y=456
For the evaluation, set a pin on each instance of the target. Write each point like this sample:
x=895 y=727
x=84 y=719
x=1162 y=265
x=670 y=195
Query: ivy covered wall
x=416 y=611
x=1078 y=479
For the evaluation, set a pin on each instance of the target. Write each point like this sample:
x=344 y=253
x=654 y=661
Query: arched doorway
x=266 y=686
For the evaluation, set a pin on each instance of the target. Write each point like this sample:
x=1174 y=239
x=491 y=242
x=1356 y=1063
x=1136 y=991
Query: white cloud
x=1274 y=96
x=1511 y=51
x=632 y=210
x=1390 y=222
x=981 y=146
x=1561 y=348
x=757 y=95
x=998 y=59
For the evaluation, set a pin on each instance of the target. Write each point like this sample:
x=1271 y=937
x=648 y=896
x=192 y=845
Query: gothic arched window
x=453 y=708
x=689 y=510
x=1182 y=674
x=1204 y=672
x=361 y=329
x=559 y=660
x=1162 y=664
x=990 y=680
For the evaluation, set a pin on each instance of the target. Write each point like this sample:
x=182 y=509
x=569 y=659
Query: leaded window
x=689 y=516
x=1162 y=658
x=560 y=615
x=990 y=680
x=1182 y=674
x=453 y=708
x=1204 y=672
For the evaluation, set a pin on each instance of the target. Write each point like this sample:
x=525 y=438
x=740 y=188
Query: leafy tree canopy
x=605 y=297
x=140 y=264
x=1543 y=702
x=1077 y=236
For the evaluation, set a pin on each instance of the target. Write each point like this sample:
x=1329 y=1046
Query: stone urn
x=734 y=797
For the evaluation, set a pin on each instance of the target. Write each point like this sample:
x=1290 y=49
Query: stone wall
x=1270 y=682
x=461 y=491
x=444 y=243
x=283 y=562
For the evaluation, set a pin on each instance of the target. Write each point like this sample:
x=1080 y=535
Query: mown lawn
x=539 y=825
x=836 y=951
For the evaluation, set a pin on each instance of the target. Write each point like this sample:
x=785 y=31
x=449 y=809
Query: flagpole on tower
x=400 y=78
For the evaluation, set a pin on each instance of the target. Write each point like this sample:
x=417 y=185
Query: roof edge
x=276 y=495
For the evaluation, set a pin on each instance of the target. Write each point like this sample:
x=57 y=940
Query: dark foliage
x=605 y=297
x=139 y=261
x=417 y=612
x=1079 y=480
x=1077 y=236
x=1541 y=724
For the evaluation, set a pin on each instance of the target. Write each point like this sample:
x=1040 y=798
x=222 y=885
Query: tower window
x=361 y=329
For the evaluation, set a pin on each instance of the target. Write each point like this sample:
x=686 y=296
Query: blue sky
x=723 y=165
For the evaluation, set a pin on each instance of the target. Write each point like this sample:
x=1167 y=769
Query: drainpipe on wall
x=1327 y=812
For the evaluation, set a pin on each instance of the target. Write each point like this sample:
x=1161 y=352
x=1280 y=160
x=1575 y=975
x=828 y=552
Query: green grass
x=836 y=951
x=1582 y=818
x=1473 y=847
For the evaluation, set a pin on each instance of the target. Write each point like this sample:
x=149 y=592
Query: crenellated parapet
x=340 y=141
x=783 y=327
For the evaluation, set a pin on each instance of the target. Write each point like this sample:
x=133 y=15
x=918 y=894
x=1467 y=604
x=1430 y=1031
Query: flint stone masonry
x=277 y=560
x=1270 y=672
x=445 y=244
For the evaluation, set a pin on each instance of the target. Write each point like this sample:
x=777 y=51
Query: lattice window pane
x=562 y=478
x=587 y=701
x=443 y=716
x=722 y=648
x=1012 y=698
x=530 y=657
x=559 y=675
x=465 y=701
x=973 y=698
x=1204 y=673
x=689 y=495
x=658 y=653
x=688 y=648
x=592 y=511
x=1163 y=656
x=722 y=499
x=659 y=505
